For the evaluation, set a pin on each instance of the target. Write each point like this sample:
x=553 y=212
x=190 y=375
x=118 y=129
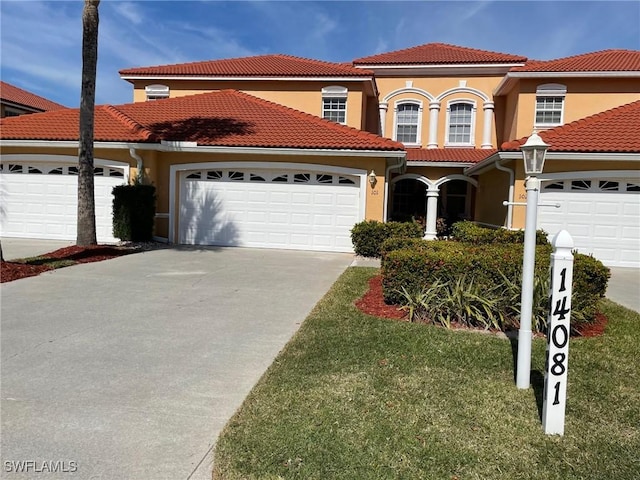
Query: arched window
x=460 y=123
x=408 y=122
x=550 y=105
x=156 y=92
x=334 y=104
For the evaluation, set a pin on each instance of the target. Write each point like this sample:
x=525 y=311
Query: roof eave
x=433 y=69
x=511 y=78
x=489 y=162
x=191 y=147
x=310 y=78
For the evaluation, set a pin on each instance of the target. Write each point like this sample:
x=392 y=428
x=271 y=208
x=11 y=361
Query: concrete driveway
x=130 y=368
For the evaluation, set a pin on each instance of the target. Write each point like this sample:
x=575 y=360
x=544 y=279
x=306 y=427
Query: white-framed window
x=461 y=116
x=156 y=92
x=334 y=104
x=408 y=122
x=550 y=105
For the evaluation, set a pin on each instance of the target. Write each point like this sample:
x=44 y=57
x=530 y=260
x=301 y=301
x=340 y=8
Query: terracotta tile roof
x=258 y=66
x=13 y=94
x=457 y=155
x=614 y=130
x=439 y=53
x=222 y=118
x=603 y=61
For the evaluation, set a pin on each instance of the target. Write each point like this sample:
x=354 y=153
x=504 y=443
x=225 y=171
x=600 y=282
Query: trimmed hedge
x=466 y=231
x=134 y=209
x=368 y=236
x=416 y=264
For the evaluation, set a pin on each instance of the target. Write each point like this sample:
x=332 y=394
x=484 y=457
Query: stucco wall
x=493 y=189
x=436 y=87
x=305 y=96
x=585 y=96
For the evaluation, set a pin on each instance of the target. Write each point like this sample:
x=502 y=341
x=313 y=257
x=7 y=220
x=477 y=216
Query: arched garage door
x=39 y=199
x=601 y=214
x=288 y=209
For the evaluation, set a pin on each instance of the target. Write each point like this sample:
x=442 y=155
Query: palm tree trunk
x=86 y=201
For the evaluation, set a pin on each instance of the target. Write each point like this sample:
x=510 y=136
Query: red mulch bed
x=372 y=303
x=10 y=271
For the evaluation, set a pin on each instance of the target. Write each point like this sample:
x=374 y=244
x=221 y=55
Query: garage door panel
x=279 y=214
x=41 y=205
x=603 y=223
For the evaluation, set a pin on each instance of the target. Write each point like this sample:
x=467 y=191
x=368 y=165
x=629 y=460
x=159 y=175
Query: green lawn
x=356 y=397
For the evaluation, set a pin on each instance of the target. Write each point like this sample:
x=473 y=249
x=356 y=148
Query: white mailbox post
x=558 y=330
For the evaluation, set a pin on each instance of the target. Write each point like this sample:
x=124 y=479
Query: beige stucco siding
x=584 y=97
x=305 y=96
x=493 y=189
x=442 y=90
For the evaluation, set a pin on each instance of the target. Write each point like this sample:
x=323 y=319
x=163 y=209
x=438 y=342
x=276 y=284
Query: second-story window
x=334 y=104
x=460 y=123
x=407 y=128
x=550 y=105
x=156 y=92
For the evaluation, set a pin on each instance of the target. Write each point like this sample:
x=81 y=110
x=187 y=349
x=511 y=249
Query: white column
x=488 y=120
x=382 y=109
x=432 y=214
x=434 y=109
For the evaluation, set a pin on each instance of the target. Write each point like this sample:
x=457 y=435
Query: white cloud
x=129 y=11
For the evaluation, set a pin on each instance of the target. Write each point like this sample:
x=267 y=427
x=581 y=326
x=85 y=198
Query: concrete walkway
x=131 y=367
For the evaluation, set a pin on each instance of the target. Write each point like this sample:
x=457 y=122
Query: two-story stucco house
x=277 y=151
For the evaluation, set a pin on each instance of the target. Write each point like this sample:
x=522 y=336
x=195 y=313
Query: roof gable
x=612 y=131
x=257 y=66
x=222 y=118
x=439 y=54
x=11 y=93
x=602 y=61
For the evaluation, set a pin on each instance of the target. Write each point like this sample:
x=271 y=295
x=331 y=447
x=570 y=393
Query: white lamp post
x=533 y=151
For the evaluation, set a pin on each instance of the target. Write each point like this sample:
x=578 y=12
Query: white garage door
x=40 y=200
x=602 y=216
x=270 y=209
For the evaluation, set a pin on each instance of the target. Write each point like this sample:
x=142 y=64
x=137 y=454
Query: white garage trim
x=66 y=159
x=283 y=166
x=600 y=209
x=628 y=174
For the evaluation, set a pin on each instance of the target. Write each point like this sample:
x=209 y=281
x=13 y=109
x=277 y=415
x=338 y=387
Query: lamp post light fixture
x=533 y=152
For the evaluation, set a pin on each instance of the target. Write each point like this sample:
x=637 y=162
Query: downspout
x=139 y=165
x=398 y=166
x=511 y=173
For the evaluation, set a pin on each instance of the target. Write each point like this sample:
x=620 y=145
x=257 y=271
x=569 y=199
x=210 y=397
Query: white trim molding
x=557 y=94
x=408 y=101
x=176 y=169
x=472 y=130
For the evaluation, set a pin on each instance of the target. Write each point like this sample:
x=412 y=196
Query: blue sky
x=40 y=47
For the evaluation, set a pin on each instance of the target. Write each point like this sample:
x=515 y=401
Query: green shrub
x=470 y=232
x=134 y=209
x=590 y=279
x=495 y=273
x=368 y=236
x=461 y=300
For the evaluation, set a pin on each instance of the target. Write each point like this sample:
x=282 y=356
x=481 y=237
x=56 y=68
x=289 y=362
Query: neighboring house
x=15 y=101
x=240 y=153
